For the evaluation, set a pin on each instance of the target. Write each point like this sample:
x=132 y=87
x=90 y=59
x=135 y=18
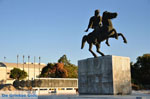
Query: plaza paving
x=135 y=95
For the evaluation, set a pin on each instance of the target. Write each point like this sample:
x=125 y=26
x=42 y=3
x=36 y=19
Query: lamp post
x=17 y=60
x=23 y=62
x=28 y=67
x=34 y=67
x=39 y=66
x=39 y=71
x=4 y=59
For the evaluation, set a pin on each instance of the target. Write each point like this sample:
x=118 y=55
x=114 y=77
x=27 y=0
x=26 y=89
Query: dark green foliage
x=72 y=71
x=71 y=68
x=18 y=74
x=23 y=83
x=28 y=83
x=16 y=83
x=46 y=71
x=140 y=71
x=64 y=60
x=34 y=83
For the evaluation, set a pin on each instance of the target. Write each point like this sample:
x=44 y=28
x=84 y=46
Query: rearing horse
x=103 y=33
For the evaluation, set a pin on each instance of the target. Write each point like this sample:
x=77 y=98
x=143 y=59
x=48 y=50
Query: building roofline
x=20 y=65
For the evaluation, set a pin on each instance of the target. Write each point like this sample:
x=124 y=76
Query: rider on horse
x=96 y=24
x=95 y=21
x=105 y=32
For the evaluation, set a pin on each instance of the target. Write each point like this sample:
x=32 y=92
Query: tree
x=64 y=60
x=71 y=68
x=140 y=71
x=48 y=71
x=18 y=74
x=22 y=83
x=54 y=71
x=60 y=72
x=28 y=83
x=72 y=71
x=16 y=83
x=62 y=69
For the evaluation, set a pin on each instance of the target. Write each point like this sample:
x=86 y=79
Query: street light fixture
x=4 y=59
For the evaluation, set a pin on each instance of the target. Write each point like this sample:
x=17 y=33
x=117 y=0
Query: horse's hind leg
x=124 y=39
x=90 y=49
x=98 y=49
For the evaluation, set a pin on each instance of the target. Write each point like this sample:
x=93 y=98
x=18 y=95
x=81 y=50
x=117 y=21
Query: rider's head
x=97 y=12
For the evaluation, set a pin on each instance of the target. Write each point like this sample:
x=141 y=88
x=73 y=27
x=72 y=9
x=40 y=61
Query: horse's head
x=109 y=15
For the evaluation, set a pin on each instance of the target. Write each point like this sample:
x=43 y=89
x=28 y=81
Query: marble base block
x=105 y=75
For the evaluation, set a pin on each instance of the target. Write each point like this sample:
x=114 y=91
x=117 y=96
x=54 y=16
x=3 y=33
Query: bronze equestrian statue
x=102 y=33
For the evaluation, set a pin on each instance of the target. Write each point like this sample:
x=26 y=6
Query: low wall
x=59 y=82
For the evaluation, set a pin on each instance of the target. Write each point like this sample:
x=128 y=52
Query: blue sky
x=51 y=28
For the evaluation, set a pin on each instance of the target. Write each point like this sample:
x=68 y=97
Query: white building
x=33 y=70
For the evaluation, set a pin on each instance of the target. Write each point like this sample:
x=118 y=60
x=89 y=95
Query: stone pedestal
x=106 y=75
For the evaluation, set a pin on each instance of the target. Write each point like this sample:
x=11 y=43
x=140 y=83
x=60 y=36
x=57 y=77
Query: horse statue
x=102 y=33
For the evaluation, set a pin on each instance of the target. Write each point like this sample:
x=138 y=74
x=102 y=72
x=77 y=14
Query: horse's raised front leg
x=107 y=42
x=98 y=49
x=112 y=36
x=90 y=49
x=124 y=39
x=115 y=33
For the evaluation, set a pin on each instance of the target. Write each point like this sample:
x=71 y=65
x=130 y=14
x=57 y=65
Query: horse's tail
x=84 y=39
